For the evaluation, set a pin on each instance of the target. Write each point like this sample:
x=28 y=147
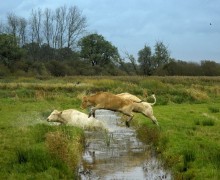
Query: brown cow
x=106 y=100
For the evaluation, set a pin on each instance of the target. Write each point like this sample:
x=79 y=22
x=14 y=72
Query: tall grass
x=213 y=109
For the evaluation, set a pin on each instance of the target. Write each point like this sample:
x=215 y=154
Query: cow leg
x=92 y=112
x=150 y=115
x=154 y=120
x=128 y=121
x=127 y=124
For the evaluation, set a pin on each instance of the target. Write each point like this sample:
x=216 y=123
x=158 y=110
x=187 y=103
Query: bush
x=57 y=68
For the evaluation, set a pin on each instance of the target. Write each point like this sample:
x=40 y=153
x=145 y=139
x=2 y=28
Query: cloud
x=184 y=25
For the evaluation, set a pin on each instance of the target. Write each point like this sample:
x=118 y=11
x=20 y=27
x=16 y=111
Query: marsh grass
x=216 y=159
x=188 y=157
x=205 y=122
x=33 y=159
x=208 y=122
x=213 y=109
x=57 y=147
x=187 y=110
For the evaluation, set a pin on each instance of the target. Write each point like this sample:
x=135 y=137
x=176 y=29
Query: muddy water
x=118 y=154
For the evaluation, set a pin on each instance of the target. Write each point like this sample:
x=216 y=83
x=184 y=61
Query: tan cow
x=75 y=118
x=106 y=100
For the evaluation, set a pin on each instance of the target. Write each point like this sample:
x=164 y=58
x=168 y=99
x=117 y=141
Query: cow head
x=54 y=116
x=85 y=102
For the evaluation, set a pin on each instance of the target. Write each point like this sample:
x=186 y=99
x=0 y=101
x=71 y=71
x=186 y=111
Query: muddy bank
x=118 y=154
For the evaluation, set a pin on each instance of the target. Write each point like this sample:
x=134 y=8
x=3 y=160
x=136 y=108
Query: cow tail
x=155 y=100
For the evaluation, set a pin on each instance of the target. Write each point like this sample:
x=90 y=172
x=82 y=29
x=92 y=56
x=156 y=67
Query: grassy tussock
x=149 y=135
x=197 y=95
x=213 y=109
x=63 y=148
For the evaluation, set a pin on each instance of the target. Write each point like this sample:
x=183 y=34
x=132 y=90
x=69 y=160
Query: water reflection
x=118 y=154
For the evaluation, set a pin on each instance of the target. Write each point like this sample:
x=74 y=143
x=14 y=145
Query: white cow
x=140 y=106
x=75 y=118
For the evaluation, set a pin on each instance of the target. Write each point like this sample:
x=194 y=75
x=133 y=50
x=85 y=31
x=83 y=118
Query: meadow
x=187 y=109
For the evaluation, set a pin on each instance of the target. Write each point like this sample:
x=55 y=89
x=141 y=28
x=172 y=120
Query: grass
x=188 y=139
x=25 y=146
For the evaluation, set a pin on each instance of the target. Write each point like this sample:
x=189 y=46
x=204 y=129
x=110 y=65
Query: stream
x=118 y=154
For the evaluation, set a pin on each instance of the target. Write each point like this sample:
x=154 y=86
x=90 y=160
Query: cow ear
x=59 y=113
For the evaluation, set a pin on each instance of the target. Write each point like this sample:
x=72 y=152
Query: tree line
x=55 y=42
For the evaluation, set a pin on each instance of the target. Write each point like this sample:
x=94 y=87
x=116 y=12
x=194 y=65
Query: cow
x=129 y=96
x=106 y=100
x=75 y=118
x=136 y=99
x=140 y=106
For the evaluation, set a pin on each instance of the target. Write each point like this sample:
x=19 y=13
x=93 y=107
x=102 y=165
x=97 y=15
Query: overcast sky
x=190 y=28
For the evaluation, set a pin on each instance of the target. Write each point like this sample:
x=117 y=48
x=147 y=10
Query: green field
x=187 y=109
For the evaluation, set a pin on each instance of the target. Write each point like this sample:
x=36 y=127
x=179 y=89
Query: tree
x=161 y=55
x=17 y=26
x=131 y=58
x=60 y=18
x=22 y=31
x=76 y=24
x=145 y=60
x=97 y=50
x=48 y=29
x=210 y=68
x=33 y=51
x=36 y=23
x=9 y=50
x=12 y=26
x=180 y=68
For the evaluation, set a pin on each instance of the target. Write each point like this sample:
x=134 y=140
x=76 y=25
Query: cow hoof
x=127 y=124
x=89 y=115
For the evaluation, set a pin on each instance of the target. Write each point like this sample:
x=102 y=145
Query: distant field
x=187 y=109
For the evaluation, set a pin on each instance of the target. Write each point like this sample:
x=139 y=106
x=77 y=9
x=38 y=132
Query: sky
x=190 y=29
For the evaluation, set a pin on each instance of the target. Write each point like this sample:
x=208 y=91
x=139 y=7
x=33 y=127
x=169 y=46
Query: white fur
x=75 y=118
